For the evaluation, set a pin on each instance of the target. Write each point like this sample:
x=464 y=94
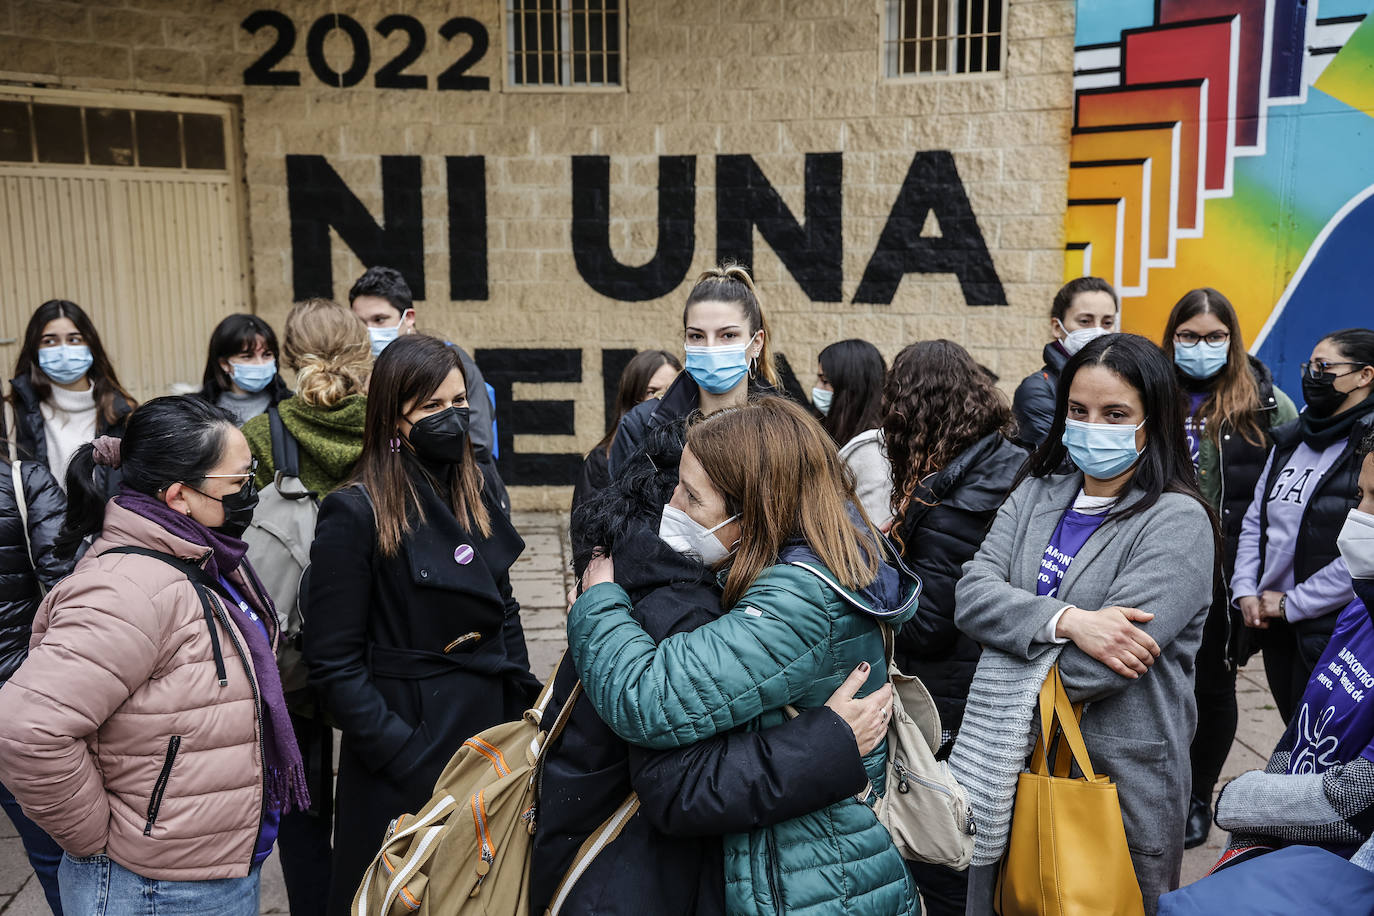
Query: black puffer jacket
x=668 y=859
x=21 y=574
x=937 y=540
x=1033 y=405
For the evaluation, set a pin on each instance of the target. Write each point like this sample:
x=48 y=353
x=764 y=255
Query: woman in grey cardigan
x=1108 y=570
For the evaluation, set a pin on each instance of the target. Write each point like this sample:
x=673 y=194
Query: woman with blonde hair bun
x=327 y=347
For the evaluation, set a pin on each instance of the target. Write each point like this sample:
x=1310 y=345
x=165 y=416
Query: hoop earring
x=753 y=366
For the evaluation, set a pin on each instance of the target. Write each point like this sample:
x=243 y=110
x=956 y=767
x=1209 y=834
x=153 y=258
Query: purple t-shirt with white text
x=1069 y=536
x=1333 y=724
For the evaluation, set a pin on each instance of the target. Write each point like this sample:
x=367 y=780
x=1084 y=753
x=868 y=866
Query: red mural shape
x=1206 y=50
x=1250 y=57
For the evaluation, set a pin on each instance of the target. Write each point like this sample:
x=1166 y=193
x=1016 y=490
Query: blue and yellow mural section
x=1227 y=143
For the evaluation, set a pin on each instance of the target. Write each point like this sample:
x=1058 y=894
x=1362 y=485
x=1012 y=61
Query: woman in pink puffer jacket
x=146 y=731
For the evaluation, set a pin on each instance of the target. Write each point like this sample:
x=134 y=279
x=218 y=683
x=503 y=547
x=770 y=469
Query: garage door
x=130 y=206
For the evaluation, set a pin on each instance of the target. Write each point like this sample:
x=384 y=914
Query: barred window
x=943 y=37
x=564 y=42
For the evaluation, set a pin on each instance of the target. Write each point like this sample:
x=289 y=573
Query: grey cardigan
x=1138 y=732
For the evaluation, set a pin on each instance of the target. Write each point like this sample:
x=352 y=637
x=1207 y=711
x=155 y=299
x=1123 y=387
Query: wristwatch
x=1283 y=605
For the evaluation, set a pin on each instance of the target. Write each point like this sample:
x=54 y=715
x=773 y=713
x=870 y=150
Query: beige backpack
x=925 y=809
x=467 y=851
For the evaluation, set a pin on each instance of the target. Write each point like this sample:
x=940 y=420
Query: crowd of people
x=201 y=590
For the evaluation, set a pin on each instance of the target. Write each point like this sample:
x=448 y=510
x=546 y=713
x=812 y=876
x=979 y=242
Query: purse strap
x=1058 y=720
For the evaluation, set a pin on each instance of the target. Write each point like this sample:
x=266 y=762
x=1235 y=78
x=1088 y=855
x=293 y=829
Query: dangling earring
x=753 y=366
x=395 y=444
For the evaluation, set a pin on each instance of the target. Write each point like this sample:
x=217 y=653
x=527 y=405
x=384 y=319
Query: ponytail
x=732 y=284
x=85 y=502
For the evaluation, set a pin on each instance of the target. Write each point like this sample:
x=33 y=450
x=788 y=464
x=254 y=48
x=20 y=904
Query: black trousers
x=303 y=840
x=1291 y=653
x=944 y=891
x=1215 y=692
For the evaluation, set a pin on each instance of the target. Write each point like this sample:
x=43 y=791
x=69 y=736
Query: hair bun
x=107 y=451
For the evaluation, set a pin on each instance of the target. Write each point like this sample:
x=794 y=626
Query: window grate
x=568 y=43
x=943 y=37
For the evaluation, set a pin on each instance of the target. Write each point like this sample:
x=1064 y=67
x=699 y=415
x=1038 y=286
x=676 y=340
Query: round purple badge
x=463 y=554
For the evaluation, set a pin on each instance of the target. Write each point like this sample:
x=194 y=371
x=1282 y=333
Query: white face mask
x=690 y=538
x=1356 y=543
x=381 y=337
x=1077 y=339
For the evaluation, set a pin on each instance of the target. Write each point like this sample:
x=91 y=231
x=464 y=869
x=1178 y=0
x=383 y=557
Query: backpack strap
x=286 y=456
x=593 y=846
x=204 y=584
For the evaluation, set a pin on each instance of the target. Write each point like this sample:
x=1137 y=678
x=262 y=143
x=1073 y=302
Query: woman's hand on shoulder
x=600 y=570
x=1112 y=637
x=866 y=718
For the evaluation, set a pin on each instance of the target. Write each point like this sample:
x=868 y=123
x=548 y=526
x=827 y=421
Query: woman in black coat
x=413 y=637
x=947 y=432
x=29 y=565
x=668 y=858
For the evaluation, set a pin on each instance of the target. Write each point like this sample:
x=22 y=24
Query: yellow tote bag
x=1067 y=854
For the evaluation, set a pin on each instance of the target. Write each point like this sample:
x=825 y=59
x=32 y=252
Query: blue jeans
x=97 y=886
x=43 y=851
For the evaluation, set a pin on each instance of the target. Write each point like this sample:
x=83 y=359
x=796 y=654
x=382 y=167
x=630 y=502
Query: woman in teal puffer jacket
x=762 y=496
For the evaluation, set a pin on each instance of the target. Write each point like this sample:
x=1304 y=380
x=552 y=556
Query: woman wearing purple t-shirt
x=1108 y=571
x=1290 y=580
x=1232 y=407
x=1318 y=788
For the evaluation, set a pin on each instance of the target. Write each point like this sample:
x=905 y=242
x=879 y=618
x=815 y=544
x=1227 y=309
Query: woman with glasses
x=147 y=732
x=1290 y=580
x=1232 y=408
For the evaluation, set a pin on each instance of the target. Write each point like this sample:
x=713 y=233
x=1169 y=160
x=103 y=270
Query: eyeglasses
x=252 y=472
x=1189 y=339
x=1319 y=367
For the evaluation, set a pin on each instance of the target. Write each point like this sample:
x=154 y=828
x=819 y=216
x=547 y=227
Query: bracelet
x=1283 y=605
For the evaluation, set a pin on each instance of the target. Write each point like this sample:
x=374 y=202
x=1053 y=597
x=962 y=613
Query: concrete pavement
x=541 y=579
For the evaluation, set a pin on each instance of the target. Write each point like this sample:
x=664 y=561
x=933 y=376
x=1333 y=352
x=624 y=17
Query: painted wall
x=549 y=232
x=1227 y=143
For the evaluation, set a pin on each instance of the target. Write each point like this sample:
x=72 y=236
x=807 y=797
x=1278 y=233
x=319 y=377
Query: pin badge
x=463 y=554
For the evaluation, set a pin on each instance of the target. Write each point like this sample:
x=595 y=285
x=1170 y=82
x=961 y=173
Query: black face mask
x=441 y=437
x=238 y=508
x=1321 y=395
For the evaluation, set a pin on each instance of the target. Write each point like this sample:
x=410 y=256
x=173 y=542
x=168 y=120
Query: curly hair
x=327 y=346
x=937 y=401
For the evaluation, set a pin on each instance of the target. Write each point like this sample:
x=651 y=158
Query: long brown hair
x=634 y=381
x=327 y=346
x=781 y=474
x=731 y=283
x=409 y=370
x=104 y=382
x=938 y=402
x=1234 y=400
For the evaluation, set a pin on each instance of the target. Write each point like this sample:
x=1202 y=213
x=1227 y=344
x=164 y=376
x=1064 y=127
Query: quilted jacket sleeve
x=761 y=655
x=47 y=506
x=97 y=639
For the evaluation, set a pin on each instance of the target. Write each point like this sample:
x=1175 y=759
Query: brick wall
x=770 y=79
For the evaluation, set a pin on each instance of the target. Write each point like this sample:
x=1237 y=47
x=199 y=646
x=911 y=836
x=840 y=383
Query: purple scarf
x=284 y=775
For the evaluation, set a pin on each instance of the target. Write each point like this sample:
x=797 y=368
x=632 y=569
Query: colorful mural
x=1227 y=143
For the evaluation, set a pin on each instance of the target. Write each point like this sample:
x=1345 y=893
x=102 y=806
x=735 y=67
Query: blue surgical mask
x=1203 y=359
x=65 y=363
x=383 y=336
x=253 y=377
x=717 y=369
x=821 y=397
x=1101 y=450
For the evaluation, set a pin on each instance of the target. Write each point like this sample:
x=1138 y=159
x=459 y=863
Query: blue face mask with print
x=1203 y=359
x=253 y=377
x=717 y=369
x=65 y=363
x=822 y=399
x=1101 y=450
